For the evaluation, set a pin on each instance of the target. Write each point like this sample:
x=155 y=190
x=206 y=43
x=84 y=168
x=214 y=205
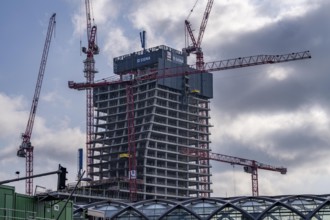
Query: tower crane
x=26 y=148
x=196 y=44
x=89 y=72
x=132 y=78
x=250 y=166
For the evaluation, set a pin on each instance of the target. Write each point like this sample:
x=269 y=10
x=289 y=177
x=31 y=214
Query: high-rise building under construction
x=170 y=115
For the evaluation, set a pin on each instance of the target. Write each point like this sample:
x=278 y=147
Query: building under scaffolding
x=170 y=114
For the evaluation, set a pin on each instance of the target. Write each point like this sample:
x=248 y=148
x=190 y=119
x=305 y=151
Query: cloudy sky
x=275 y=114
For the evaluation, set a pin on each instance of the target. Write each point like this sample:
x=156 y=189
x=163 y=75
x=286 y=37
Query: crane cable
x=185 y=29
x=234 y=180
x=192 y=9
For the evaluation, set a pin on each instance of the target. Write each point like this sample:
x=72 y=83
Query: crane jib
x=26 y=149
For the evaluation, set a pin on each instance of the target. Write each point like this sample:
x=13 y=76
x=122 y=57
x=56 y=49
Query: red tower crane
x=250 y=166
x=26 y=148
x=89 y=72
x=132 y=78
x=196 y=45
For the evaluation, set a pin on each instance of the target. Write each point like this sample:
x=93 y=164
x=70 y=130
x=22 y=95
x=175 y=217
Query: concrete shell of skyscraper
x=171 y=114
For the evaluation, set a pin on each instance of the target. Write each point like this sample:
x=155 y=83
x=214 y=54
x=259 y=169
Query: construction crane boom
x=192 y=37
x=234 y=63
x=250 y=166
x=196 y=45
x=204 y=22
x=88 y=18
x=26 y=148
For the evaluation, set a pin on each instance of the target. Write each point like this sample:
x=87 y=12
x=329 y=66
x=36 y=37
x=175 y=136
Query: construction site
x=148 y=153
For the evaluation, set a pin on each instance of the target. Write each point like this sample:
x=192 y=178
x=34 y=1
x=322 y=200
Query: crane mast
x=131 y=142
x=26 y=148
x=89 y=73
x=250 y=166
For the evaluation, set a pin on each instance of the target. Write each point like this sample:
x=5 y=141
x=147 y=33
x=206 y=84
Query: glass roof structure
x=270 y=208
